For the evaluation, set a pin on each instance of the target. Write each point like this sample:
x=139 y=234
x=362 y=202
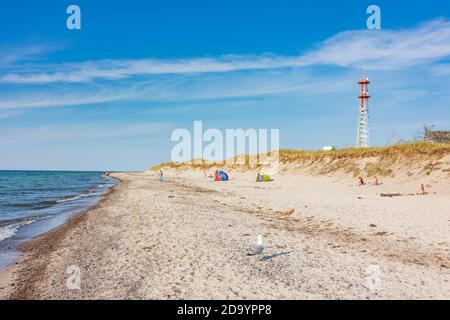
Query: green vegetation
x=375 y=170
x=404 y=149
x=441 y=136
x=430 y=167
x=378 y=161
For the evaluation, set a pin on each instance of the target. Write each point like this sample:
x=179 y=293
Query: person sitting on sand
x=375 y=181
x=361 y=181
x=422 y=189
x=259 y=178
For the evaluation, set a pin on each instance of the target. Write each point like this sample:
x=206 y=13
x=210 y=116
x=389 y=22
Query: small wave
x=32 y=205
x=20 y=205
x=69 y=199
x=35 y=194
x=80 y=196
x=10 y=230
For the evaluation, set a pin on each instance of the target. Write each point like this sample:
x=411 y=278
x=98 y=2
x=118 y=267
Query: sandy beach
x=224 y=150
x=187 y=238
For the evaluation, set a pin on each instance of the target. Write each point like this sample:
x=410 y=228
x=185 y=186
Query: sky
x=108 y=96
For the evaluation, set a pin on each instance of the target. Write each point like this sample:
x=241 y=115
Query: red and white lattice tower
x=362 y=139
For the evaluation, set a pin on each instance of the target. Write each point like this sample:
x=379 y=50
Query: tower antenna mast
x=362 y=139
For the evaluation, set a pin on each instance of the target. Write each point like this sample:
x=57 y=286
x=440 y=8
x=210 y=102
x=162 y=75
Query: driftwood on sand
x=421 y=193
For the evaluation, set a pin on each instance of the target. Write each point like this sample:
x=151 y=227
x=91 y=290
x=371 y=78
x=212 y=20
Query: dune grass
x=404 y=149
x=345 y=157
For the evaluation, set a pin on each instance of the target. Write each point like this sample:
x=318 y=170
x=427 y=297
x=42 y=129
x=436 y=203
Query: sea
x=34 y=202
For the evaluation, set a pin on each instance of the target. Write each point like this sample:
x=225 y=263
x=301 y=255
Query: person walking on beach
x=361 y=181
x=161 y=175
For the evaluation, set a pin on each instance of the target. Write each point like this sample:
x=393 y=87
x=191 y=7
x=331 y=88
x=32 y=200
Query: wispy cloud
x=377 y=50
x=12 y=55
x=10 y=113
x=441 y=69
x=55 y=99
x=385 y=49
x=179 y=89
x=120 y=69
x=80 y=132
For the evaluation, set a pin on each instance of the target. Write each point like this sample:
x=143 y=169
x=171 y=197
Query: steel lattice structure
x=362 y=139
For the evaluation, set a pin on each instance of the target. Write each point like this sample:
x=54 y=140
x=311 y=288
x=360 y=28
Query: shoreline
x=186 y=238
x=27 y=213
x=41 y=244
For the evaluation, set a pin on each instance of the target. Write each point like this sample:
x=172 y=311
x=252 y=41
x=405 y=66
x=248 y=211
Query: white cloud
x=441 y=70
x=80 y=132
x=10 y=113
x=55 y=99
x=120 y=69
x=381 y=50
x=10 y=56
x=180 y=89
x=385 y=49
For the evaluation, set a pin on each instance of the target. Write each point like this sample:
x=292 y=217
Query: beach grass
x=403 y=151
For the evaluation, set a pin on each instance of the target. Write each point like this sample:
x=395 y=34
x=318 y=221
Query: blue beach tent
x=222 y=176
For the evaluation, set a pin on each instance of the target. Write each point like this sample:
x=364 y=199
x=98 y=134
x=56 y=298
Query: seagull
x=258 y=248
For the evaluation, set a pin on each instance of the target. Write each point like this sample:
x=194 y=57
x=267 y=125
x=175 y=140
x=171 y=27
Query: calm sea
x=33 y=202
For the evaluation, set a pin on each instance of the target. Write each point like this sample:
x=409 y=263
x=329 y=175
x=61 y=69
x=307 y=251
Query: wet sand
x=187 y=238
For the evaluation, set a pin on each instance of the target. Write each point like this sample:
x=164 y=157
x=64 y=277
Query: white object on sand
x=258 y=248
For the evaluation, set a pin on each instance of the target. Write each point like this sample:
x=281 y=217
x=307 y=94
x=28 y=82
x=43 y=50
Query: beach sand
x=187 y=238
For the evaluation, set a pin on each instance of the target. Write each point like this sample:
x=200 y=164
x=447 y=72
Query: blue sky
x=108 y=96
